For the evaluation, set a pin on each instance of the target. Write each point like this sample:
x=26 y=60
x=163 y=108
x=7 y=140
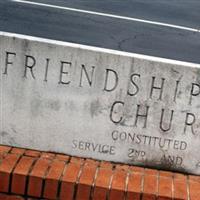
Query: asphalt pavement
x=168 y=29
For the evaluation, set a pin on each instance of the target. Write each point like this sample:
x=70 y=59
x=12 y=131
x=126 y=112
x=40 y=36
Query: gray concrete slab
x=98 y=103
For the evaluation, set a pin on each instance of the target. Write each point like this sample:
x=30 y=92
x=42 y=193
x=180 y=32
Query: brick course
x=29 y=174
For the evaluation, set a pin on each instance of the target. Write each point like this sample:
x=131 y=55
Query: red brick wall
x=26 y=174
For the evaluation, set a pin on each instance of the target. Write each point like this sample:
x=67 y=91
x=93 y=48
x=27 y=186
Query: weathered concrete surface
x=99 y=103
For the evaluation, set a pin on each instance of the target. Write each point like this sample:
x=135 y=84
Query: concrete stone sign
x=99 y=103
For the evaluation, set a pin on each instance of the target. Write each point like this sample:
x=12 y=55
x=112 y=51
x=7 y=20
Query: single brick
x=69 y=180
x=122 y=167
x=194 y=178
x=165 y=174
x=34 y=199
x=52 y=179
x=20 y=175
x=91 y=162
x=6 y=167
x=48 y=155
x=19 y=151
x=151 y=172
x=77 y=160
x=118 y=185
x=102 y=183
x=10 y=197
x=179 y=176
x=32 y=153
x=165 y=188
x=62 y=157
x=180 y=187
x=194 y=187
x=4 y=149
x=135 y=186
x=106 y=164
x=150 y=184
x=37 y=176
x=86 y=181
x=2 y=156
x=135 y=169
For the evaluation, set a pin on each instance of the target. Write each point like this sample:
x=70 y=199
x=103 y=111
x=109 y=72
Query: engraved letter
x=89 y=79
x=157 y=88
x=46 y=69
x=189 y=121
x=113 y=112
x=176 y=90
x=170 y=122
x=8 y=62
x=29 y=63
x=195 y=91
x=136 y=90
x=145 y=115
x=62 y=72
x=110 y=82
